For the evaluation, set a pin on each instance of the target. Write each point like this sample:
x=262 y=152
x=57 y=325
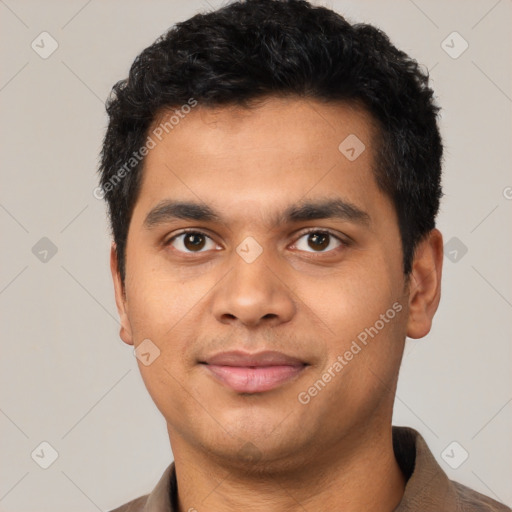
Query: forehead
x=275 y=152
x=304 y=127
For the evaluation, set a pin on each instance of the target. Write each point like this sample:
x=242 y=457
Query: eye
x=191 y=241
x=318 y=241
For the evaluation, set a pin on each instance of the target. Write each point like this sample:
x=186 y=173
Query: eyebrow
x=169 y=210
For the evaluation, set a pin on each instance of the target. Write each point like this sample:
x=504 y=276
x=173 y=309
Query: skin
x=310 y=302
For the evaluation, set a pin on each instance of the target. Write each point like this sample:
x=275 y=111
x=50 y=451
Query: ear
x=425 y=284
x=122 y=308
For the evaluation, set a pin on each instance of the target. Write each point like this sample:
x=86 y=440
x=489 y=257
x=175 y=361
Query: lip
x=253 y=373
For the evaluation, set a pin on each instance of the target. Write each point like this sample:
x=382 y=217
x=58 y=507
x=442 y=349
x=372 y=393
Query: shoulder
x=136 y=505
x=162 y=497
x=472 y=501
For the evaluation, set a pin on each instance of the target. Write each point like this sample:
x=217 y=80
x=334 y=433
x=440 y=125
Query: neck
x=361 y=474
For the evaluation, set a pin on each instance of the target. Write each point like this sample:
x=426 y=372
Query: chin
x=255 y=441
x=264 y=459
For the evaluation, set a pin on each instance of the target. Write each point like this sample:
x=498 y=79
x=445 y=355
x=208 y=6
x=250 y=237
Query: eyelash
x=344 y=243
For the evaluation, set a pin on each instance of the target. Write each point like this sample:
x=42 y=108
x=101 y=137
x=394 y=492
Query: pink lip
x=253 y=373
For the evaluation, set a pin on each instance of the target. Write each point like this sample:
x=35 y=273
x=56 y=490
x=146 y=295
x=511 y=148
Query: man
x=273 y=176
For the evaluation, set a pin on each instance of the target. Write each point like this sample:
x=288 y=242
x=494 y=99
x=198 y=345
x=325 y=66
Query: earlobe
x=425 y=284
x=125 y=332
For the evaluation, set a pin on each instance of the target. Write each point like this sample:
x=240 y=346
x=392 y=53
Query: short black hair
x=252 y=49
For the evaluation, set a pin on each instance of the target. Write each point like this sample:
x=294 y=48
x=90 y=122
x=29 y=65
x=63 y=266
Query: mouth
x=253 y=373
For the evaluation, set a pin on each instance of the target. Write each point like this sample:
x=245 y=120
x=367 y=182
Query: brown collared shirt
x=428 y=489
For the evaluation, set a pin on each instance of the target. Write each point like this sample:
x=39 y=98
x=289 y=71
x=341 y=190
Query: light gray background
x=68 y=379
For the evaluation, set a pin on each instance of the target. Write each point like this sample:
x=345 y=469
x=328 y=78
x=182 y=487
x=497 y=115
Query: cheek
x=363 y=320
x=350 y=300
x=167 y=309
x=363 y=346
x=157 y=297
x=162 y=380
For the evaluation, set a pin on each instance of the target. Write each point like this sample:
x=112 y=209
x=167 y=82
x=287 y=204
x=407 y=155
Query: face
x=264 y=266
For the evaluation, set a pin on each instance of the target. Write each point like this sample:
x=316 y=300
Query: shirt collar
x=427 y=486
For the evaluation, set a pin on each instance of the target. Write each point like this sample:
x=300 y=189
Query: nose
x=253 y=294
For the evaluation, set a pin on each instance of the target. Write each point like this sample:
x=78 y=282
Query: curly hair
x=251 y=49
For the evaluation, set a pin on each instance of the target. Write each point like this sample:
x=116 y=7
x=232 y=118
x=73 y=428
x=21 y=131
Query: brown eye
x=191 y=241
x=318 y=241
